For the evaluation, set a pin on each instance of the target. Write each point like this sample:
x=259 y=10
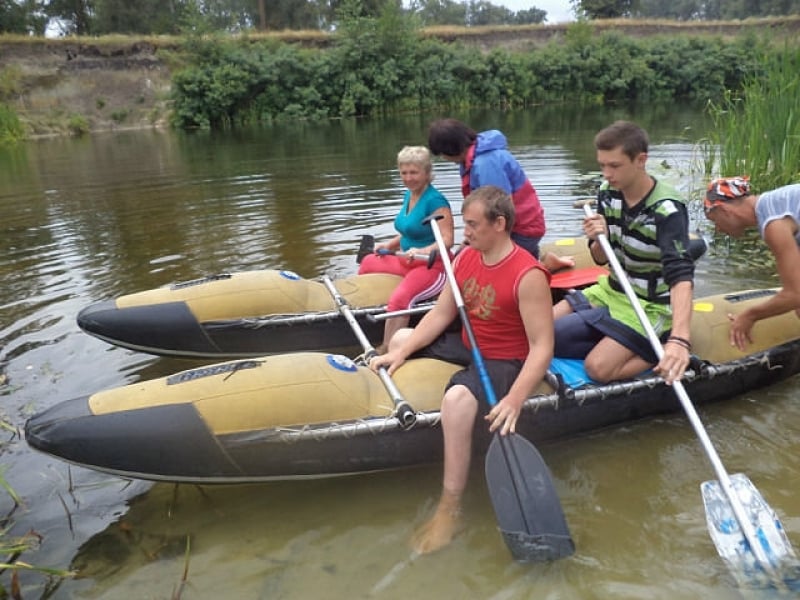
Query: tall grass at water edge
x=14 y=547
x=756 y=131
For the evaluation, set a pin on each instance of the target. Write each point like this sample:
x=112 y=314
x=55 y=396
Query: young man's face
x=618 y=168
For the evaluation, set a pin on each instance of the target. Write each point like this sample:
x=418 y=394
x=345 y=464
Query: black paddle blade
x=525 y=502
x=367 y=247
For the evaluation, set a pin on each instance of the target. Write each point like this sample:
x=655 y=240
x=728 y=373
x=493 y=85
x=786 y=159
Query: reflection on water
x=92 y=218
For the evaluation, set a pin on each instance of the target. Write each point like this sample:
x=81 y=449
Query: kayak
x=317 y=414
x=254 y=313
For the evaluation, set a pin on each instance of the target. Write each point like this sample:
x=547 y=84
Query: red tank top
x=491 y=299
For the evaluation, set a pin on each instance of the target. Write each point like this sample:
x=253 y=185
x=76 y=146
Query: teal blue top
x=413 y=232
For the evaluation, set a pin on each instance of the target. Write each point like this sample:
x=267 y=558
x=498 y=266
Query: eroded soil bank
x=105 y=86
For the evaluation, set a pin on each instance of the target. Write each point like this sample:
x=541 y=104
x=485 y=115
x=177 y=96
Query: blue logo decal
x=290 y=275
x=342 y=363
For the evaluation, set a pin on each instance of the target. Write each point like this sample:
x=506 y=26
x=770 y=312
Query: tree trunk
x=262 y=16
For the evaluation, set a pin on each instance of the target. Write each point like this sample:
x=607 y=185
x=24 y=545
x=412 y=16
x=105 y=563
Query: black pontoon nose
x=159 y=442
x=154 y=328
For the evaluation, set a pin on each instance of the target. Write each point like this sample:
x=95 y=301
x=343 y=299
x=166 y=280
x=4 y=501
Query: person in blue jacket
x=484 y=159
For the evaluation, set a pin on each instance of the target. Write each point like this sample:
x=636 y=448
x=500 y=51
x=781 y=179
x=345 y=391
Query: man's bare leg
x=459 y=409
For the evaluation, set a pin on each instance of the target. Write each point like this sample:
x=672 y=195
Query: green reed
x=13 y=547
x=756 y=131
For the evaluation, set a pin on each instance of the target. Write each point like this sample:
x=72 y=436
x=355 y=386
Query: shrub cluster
x=11 y=129
x=384 y=66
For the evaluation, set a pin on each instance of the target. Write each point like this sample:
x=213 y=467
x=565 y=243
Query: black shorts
x=450 y=348
x=577 y=333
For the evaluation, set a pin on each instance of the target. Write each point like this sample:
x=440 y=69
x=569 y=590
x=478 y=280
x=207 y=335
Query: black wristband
x=681 y=341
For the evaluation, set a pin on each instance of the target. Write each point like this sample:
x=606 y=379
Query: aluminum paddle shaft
x=743 y=519
x=403 y=410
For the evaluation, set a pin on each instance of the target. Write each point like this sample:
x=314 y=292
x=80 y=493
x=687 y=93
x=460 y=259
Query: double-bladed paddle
x=524 y=498
x=745 y=530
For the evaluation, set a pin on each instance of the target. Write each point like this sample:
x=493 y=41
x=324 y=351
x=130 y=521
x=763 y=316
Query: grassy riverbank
x=77 y=85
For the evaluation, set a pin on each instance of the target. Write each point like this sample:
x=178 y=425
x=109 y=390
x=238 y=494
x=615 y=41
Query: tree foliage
x=12 y=17
x=472 y=13
x=73 y=17
x=685 y=10
x=603 y=9
x=143 y=16
x=440 y=12
x=382 y=65
x=22 y=16
x=99 y=17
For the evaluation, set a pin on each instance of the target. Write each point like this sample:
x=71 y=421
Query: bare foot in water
x=554 y=262
x=440 y=529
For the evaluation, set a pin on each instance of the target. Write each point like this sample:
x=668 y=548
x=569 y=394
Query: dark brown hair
x=623 y=134
x=449 y=137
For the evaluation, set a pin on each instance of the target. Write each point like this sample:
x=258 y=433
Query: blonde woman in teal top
x=421 y=200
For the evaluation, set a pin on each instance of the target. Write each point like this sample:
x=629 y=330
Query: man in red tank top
x=507 y=296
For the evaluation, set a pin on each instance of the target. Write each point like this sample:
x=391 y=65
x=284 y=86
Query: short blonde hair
x=416 y=155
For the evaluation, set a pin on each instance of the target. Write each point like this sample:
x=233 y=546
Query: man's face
x=724 y=220
x=618 y=168
x=479 y=232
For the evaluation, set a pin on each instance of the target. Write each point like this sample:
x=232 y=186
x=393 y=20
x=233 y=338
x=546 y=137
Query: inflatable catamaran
x=317 y=414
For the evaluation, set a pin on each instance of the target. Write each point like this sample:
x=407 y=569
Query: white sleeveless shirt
x=777 y=204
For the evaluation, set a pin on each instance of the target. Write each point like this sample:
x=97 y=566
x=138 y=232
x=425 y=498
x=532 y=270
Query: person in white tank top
x=733 y=208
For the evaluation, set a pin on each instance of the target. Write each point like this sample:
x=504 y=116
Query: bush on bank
x=379 y=66
x=11 y=129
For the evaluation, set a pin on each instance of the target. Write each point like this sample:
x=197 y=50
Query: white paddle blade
x=727 y=534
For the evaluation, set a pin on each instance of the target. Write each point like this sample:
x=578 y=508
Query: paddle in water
x=524 y=498
x=745 y=530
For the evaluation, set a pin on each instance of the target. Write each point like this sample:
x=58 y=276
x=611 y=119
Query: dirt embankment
x=62 y=87
x=65 y=85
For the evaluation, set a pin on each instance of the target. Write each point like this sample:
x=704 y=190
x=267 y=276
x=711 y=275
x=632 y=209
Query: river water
x=91 y=218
